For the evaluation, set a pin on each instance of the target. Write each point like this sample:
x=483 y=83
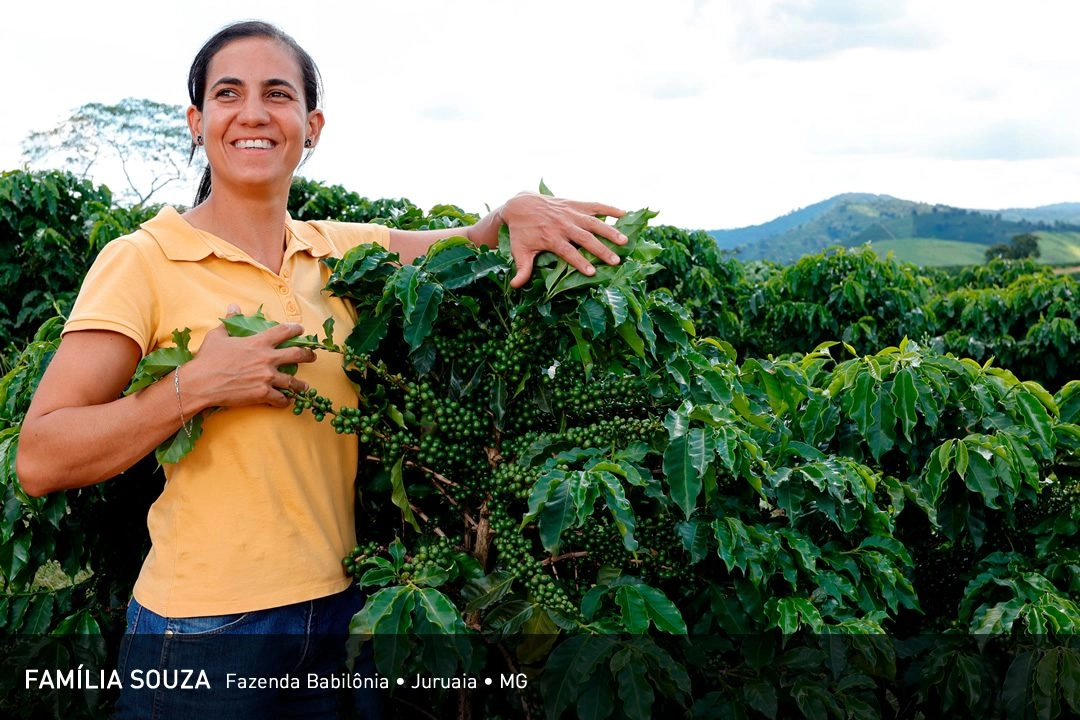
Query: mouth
x=254 y=144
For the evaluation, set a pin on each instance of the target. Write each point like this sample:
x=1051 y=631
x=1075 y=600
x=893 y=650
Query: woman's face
x=254 y=119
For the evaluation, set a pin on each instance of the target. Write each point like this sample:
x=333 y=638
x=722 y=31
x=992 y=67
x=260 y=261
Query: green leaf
x=881 y=434
x=397 y=553
x=404 y=285
x=761 y=696
x=461 y=263
x=558 y=514
x=39 y=616
x=421 y=317
x=1069 y=677
x=592 y=317
x=1036 y=419
x=508 y=618
x=1015 y=688
x=905 y=397
x=635 y=690
x=440 y=611
x=634 y=614
x=180 y=444
x=377 y=577
x=630 y=335
x=399 y=497
x=597 y=701
x=15 y=556
x=484 y=592
x=682 y=457
x=662 y=611
x=160 y=362
x=247 y=325
x=368 y=333
x=1046 y=682
x=570 y=667
x=390 y=630
x=388 y=610
x=619 y=506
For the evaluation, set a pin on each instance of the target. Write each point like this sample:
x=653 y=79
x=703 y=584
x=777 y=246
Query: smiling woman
x=281 y=75
x=248 y=534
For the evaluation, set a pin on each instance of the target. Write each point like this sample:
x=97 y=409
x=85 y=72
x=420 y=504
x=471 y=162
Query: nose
x=254 y=111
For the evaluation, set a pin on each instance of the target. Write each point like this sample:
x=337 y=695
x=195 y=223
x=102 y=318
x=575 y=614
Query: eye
x=225 y=93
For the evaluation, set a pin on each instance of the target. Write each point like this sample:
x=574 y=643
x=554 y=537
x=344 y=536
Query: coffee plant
x=576 y=483
x=52 y=225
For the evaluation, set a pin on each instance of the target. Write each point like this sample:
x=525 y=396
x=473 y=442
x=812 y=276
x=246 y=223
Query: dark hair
x=238 y=31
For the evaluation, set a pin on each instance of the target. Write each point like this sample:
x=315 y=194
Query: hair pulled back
x=197 y=75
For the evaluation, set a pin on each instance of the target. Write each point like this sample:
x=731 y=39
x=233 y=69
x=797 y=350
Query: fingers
x=595 y=208
x=588 y=241
x=286 y=382
x=280 y=333
x=293 y=355
x=524 y=264
x=598 y=227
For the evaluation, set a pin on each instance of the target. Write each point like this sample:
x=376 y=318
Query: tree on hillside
x=1021 y=246
x=144 y=142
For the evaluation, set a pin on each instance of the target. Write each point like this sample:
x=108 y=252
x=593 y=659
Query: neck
x=255 y=224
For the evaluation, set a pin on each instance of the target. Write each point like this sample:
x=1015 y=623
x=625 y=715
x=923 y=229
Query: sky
x=715 y=113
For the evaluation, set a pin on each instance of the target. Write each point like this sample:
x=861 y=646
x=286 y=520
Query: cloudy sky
x=716 y=113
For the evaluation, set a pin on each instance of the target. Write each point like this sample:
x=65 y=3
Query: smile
x=256 y=144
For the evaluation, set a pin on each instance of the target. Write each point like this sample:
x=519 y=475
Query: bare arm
x=80 y=431
x=537 y=223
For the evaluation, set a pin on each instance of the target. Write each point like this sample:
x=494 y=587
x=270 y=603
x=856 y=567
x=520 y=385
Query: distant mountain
x=1058 y=212
x=917 y=232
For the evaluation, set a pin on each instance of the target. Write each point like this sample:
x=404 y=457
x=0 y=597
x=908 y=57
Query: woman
x=248 y=533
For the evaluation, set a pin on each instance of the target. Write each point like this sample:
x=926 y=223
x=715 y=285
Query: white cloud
x=809 y=29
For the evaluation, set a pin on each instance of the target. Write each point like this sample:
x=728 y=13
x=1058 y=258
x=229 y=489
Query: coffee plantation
x=843 y=488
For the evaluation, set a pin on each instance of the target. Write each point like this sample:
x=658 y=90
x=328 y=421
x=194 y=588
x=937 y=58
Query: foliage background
x=842 y=487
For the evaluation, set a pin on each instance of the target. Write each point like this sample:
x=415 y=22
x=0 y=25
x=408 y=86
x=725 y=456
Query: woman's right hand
x=231 y=371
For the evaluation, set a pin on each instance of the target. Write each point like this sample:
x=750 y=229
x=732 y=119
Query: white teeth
x=261 y=144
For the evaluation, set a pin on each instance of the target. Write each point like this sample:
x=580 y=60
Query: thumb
x=233 y=309
x=524 y=271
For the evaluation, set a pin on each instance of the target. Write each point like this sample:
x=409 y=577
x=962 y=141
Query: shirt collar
x=180 y=241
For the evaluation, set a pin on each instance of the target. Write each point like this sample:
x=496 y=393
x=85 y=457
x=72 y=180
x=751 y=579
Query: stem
x=565 y=556
x=423 y=516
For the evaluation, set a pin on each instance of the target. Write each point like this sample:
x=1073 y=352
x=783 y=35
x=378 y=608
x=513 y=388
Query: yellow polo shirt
x=261 y=512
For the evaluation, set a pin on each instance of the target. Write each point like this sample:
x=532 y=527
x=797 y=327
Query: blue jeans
x=285 y=662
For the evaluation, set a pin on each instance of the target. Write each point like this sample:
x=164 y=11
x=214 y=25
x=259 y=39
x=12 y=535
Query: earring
x=308 y=143
x=198 y=139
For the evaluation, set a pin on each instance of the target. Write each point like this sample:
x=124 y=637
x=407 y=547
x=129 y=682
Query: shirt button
x=283 y=289
x=291 y=308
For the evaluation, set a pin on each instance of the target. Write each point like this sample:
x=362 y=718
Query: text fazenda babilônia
x=341 y=681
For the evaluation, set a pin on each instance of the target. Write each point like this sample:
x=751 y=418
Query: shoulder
x=164 y=237
x=340 y=237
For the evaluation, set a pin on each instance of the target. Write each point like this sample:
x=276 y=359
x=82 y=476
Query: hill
x=923 y=233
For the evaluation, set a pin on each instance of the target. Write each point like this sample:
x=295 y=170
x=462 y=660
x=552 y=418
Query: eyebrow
x=272 y=82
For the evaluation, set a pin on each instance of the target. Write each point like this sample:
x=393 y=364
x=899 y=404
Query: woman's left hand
x=541 y=223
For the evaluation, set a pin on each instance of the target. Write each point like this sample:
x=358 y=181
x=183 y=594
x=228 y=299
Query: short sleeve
x=118 y=294
x=344 y=236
